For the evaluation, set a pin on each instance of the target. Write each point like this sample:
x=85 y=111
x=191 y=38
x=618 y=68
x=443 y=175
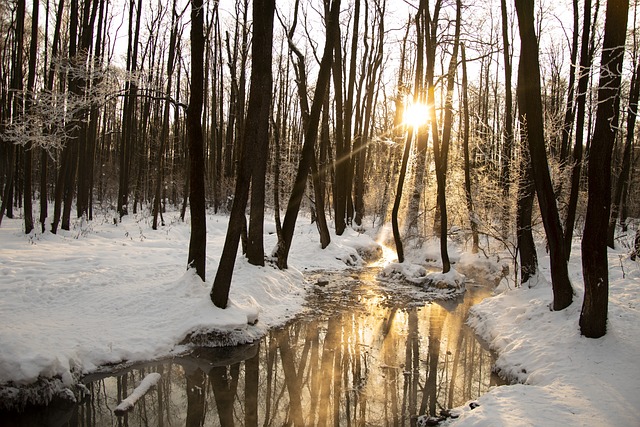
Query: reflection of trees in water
x=371 y=365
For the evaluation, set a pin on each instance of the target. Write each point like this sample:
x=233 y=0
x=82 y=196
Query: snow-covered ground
x=563 y=379
x=103 y=293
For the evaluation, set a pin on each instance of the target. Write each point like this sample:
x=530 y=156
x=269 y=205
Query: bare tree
x=310 y=137
x=198 y=238
x=530 y=104
x=595 y=270
x=255 y=146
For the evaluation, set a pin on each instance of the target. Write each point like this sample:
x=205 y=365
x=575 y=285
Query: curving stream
x=364 y=353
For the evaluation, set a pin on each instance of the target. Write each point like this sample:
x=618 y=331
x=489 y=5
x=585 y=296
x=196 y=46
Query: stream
x=365 y=352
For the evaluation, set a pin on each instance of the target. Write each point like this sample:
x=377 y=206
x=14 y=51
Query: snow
x=103 y=294
x=563 y=378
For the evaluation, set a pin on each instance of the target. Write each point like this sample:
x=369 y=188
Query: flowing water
x=365 y=353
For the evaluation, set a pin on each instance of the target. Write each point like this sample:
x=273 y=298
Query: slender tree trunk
x=342 y=152
x=443 y=155
x=257 y=140
x=465 y=147
x=16 y=86
x=396 y=204
x=530 y=104
x=593 y=318
x=569 y=109
x=33 y=52
x=526 y=194
x=198 y=240
x=581 y=101
x=507 y=147
x=623 y=179
x=311 y=135
x=164 y=135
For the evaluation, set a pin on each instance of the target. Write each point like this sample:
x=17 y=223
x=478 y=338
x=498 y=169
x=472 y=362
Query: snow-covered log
x=144 y=386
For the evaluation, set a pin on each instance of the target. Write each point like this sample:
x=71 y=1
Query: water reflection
x=361 y=357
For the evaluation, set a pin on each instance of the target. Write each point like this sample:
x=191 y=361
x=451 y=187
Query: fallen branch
x=144 y=386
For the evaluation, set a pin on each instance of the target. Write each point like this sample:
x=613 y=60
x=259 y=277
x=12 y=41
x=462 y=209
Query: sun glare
x=416 y=114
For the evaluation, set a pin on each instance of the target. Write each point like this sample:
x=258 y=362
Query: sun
x=416 y=114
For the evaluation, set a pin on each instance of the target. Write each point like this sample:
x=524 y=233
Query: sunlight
x=416 y=114
x=389 y=254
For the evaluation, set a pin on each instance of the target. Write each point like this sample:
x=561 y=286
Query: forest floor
x=105 y=293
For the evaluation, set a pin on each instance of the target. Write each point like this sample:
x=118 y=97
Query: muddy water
x=364 y=353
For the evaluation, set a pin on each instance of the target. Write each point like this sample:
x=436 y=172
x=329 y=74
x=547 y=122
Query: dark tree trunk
x=526 y=194
x=33 y=52
x=310 y=137
x=442 y=153
x=128 y=113
x=623 y=179
x=507 y=148
x=164 y=135
x=257 y=131
x=530 y=104
x=16 y=86
x=396 y=204
x=257 y=140
x=465 y=147
x=49 y=86
x=348 y=111
x=581 y=101
x=198 y=240
x=569 y=110
x=593 y=318
x=342 y=151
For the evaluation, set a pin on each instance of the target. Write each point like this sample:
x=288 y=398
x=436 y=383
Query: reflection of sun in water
x=416 y=114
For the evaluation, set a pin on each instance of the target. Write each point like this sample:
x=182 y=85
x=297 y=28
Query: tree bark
x=198 y=239
x=465 y=148
x=507 y=147
x=257 y=131
x=581 y=101
x=396 y=204
x=593 y=317
x=310 y=137
x=530 y=104
x=623 y=179
x=33 y=53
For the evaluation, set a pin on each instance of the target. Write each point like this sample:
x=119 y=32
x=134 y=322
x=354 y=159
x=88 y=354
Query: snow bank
x=562 y=378
x=104 y=294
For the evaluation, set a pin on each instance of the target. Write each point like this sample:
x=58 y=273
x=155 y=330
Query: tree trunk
x=569 y=110
x=33 y=53
x=593 y=318
x=623 y=179
x=442 y=158
x=198 y=239
x=507 y=147
x=530 y=104
x=465 y=147
x=310 y=137
x=526 y=193
x=258 y=130
x=164 y=135
x=581 y=101
x=396 y=204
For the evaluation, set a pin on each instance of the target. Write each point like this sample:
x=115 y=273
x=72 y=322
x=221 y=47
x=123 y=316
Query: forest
x=488 y=121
